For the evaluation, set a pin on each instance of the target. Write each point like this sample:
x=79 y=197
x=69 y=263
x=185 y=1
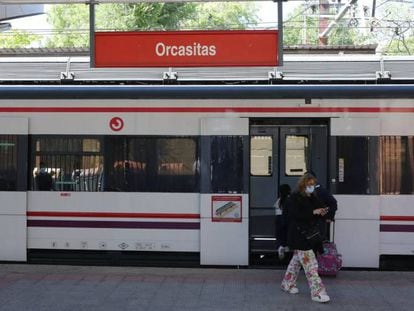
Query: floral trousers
x=307 y=260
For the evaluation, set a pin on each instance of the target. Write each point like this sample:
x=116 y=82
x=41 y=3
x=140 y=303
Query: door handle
x=269 y=165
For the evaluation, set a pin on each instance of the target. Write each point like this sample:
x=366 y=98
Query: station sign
x=186 y=48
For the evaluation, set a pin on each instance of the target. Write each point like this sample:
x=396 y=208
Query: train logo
x=116 y=124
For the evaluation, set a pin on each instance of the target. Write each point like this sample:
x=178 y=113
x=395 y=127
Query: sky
x=268 y=10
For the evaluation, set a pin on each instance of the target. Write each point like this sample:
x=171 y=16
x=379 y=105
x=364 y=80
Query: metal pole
x=280 y=31
x=92 y=33
x=374 y=4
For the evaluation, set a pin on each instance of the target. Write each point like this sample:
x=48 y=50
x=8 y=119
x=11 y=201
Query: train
x=193 y=170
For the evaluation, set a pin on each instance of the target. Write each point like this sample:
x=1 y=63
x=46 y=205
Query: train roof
x=316 y=68
x=207 y=91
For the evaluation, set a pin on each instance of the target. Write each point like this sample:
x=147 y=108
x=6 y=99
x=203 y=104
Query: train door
x=280 y=154
x=13 y=188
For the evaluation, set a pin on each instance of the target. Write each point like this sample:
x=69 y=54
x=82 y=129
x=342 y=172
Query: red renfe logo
x=116 y=124
x=186 y=48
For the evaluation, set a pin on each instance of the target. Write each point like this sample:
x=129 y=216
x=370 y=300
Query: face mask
x=43 y=170
x=310 y=189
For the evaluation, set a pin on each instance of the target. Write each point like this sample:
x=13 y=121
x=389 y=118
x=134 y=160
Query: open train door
x=280 y=153
x=13 y=185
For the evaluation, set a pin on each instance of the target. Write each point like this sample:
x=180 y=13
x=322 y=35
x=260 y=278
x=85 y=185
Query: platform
x=47 y=287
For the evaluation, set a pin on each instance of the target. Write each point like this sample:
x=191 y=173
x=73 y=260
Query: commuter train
x=194 y=170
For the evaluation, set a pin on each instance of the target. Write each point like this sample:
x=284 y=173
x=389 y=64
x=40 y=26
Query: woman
x=303 y=208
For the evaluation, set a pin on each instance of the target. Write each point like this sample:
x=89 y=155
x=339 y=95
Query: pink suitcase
x=330 y=262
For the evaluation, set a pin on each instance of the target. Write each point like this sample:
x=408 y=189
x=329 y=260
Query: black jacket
x=300 y=216
x=44 y=182
x=328 y=200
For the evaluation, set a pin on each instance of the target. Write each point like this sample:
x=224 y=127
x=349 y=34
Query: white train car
x=140 y=170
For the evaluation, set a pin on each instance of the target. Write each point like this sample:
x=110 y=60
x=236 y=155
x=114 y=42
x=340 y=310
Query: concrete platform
x=45 y=287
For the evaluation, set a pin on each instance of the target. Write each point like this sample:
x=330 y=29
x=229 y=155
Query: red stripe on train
x=207 y=109
x=397 y=218
x=112 y=215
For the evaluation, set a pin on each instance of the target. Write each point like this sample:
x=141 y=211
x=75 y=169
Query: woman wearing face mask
x=303 y=208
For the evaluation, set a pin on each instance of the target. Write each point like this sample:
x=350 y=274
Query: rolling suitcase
x=330 y=262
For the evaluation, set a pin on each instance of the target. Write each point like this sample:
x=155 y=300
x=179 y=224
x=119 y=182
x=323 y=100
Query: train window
x=126 y=163
x=67 y=163
x=353 y=165
x=227 y=164
x=296 y=155
x=397 y=165
x=177 y=156
x=8 y=162
x=177 y=164
x=151 y=164
x=261 y=151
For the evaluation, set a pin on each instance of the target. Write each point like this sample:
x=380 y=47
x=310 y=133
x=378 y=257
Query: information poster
x=226 y=208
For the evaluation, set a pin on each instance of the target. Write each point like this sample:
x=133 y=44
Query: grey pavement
x=46 y=287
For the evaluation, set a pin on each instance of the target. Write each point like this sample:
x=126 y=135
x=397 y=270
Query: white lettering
x=174 y=50
x=181 y=50
x=212 y=49
x=160 y=49
x=197 y=49
x=188 y=50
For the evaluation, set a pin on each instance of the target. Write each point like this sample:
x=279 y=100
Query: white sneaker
x=281 y=252
x=292 y=290
x=321 y=298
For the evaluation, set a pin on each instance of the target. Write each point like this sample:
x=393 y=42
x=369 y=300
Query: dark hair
x=310 y=172
x=284 y=192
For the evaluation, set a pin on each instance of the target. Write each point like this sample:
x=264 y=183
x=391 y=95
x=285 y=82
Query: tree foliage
x=301 y=27
x=394 y=29
x=71 y=22
x=17 y=39
x=223 y=16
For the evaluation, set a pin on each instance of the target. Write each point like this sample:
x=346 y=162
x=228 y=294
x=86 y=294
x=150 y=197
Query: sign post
x=92 y=33
x=280 y=31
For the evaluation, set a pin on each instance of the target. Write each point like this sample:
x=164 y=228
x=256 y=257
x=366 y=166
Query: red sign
x=186 y=48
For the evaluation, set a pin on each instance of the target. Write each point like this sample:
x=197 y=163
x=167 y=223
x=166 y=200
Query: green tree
x=223 y=15
x=302 y=27
x=400 y=46
x=394 y=29
x=71 y=22
x=17 y=39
